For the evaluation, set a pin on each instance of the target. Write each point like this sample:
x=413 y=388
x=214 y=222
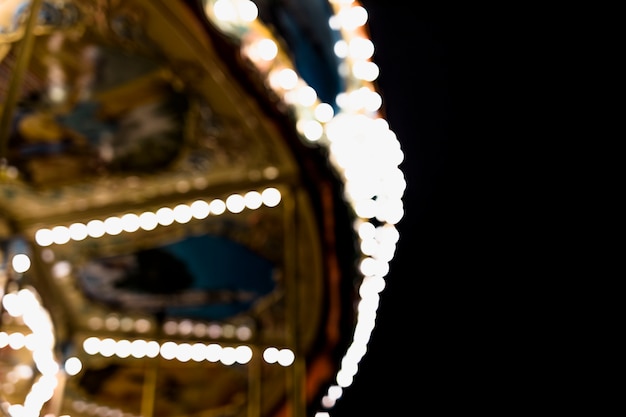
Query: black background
x=427 y=352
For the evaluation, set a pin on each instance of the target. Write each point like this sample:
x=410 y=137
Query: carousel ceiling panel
x=114 y=102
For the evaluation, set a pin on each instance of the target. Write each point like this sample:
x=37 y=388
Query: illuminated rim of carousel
x=362 y=149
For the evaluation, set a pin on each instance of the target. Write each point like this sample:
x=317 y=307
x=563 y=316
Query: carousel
x=198 y=206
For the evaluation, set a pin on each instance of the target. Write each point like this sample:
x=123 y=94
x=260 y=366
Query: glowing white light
x=183 y=352
x=341 y=49
x=200 y=209
x=369 y=246
x=20 y=263
x=138 y=348
x=243 y=354
x=344 y=379
x=61 y=269
x=371 y=284
x=324 y=112
x=43 y=237
x=217 y=206
x=270 y=355
x=96 y=228
x=73 y=366
x=366 y=230
x=4 y=339
x=182 y=213
x=165 y=216
x=286 y=357
x=361 y=48
x=271 y=197
x=306 y=95
x=352 y=18
x=393 y=212
x=228 y=356
x=168 y=350
x=148 y=221
x=17 y=340
x=387 y=233
x=152 y=349
x=17 y=410
x=285 y=79
x=107 y=347
x=78 y=231
x=198 y=352
x=60 y=235
x=253 y=200
x=365 y=208
x=372 y=101
x=224 y=10
x=113 y=225
x=335 y=392
x=311 y=129
x=248 y=11
x=57 y=93
x=368 y=266
x=45 y=363
x=235 y=203
x=91 y=345
x=367 y=71
x=24 y=371
x=267 y=49
x=123 y=348
x=130 y=222
x=213 y=352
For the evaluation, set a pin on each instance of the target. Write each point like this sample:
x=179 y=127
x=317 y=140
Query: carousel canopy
x=198 y=203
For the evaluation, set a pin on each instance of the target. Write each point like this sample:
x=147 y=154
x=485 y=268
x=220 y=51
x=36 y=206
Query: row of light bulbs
x=164 y=216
